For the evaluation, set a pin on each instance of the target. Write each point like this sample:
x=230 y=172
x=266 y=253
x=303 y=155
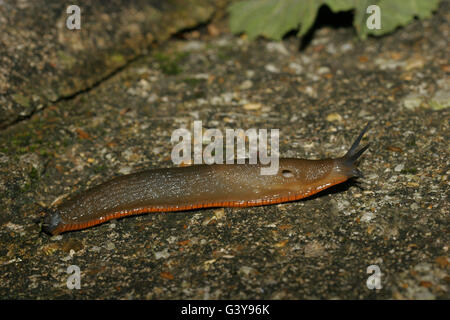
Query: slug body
x=201 y=186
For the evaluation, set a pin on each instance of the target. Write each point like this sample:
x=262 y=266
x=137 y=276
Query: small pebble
x=323 y=70
x=334 y=117
x=297 y=68
x=271 y=68
x=412 y=101
x=246 y=270
x=252 y=106
x=247 y=84
x=162 y=254
x=440 y=100
x=277 y=47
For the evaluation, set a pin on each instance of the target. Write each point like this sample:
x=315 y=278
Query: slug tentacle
x=353 y=154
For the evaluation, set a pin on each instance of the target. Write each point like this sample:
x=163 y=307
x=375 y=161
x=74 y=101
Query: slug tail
x=51 y=221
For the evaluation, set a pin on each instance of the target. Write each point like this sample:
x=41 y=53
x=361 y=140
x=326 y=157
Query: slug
x=201 y=186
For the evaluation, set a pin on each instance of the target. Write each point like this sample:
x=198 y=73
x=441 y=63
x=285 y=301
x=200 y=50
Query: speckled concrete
x=397 y=217
x=42 y=62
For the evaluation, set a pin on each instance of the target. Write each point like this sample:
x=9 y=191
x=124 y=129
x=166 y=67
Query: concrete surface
x=397 y=217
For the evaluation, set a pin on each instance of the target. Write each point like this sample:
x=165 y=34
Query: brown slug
x=201 y=186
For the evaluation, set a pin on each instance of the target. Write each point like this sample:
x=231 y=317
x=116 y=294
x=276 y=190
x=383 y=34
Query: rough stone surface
x=41 y=61
x=396 y=217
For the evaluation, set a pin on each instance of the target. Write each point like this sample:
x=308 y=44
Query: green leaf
x=341 y=5
x=395 y=14
x=269 y=18
x=274 y=18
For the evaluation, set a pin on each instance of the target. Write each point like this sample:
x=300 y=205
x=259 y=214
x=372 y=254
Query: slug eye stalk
x=354 y=153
